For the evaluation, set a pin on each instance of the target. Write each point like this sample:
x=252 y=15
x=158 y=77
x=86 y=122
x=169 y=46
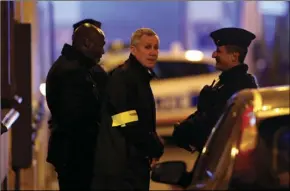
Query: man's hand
x=161 y=139
x=156 y=145
x=154 y=162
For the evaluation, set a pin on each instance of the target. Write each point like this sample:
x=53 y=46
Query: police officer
x=128 y=143
x=232 y=44
x=74 y=89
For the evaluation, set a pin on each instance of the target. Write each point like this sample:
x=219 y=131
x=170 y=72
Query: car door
x=205 y=175
x=268 y=164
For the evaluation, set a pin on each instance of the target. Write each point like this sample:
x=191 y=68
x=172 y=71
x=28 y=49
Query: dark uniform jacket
x=127 y=139
x=193 y=132
x=74 y=88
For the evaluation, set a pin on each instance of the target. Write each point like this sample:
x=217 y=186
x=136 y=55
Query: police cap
x=89 y=21
x=232 y=36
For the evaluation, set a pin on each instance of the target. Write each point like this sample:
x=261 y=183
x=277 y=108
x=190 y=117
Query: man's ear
x=87 y=43
x=133 y=50
x=235 y=57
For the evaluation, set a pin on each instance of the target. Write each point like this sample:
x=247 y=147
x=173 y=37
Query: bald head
x=90 y=21
x=90 y=40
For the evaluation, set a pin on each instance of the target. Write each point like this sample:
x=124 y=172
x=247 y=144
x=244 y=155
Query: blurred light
x=203 y=150
x=193 y=55
x=10 y=118
x=42 y=88
x=252 y=121
x=210 y=174
x=284 y=111
x=200 y=185
x=234 y=114
x=266 y=107
x=18 y=99
x=276 y=111
x=176 y=48
x=249 y=130
x=276 y=8
x=117 y=45
x=282 y=88
x=234 y=151
x=261 y=64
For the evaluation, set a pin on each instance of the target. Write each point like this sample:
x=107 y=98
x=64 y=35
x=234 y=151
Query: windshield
x=175 y=69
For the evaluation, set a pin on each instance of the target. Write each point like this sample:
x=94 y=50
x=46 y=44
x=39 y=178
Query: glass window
x=275 y=134
x=172 y=69
x=270 y=158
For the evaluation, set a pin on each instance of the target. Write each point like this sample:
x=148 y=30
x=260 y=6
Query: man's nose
x=214 y=54
x=153 y=52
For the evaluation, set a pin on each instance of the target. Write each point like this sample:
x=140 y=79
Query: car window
x=173 y=69
x=270 y=157
x=275 y=135
x=207 y=163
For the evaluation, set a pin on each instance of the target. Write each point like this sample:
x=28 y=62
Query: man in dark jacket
x=128 y=143
x=232 y=43
x=74 y=91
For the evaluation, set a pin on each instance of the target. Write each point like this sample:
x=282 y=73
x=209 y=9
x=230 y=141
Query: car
x=181 y=76
x=247 y=149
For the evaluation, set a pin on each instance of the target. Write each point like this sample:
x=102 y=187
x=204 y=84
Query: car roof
x=267 y=101
x=165 y=56
x=169 y=56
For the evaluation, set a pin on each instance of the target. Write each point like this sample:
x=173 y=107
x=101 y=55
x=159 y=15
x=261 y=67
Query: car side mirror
x=170 y=172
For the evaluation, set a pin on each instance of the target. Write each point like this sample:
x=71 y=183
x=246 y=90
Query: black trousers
x=74 y=177
x=73 y=160
x=136 y=176
x=76 y=172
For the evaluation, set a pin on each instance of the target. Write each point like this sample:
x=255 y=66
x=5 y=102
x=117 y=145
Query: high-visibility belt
x=121 y=119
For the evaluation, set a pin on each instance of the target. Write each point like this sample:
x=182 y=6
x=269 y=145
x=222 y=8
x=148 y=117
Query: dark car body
x=247 y=149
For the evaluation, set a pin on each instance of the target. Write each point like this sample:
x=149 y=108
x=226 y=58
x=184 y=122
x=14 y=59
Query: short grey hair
x=137 y=35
